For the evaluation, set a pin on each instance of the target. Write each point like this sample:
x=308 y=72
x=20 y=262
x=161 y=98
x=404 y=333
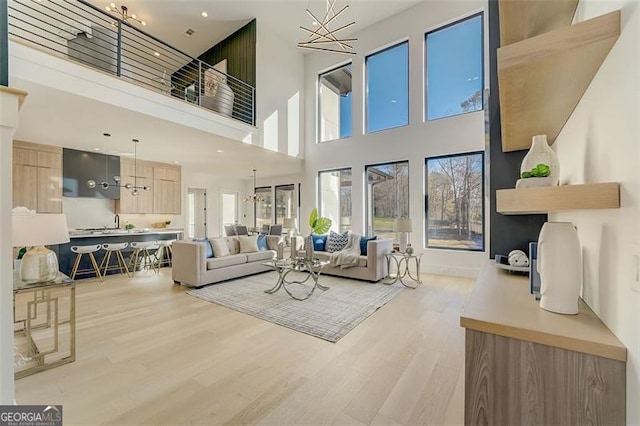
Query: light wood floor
x=149 y=354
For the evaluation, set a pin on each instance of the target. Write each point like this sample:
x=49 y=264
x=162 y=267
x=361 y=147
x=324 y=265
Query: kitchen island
x=96 y=236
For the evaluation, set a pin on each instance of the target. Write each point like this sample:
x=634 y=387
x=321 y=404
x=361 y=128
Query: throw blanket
x=349 y=256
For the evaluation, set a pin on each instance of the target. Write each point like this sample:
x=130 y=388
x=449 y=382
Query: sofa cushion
x=363 y=243
x=273 y=241
x=233 y=243
x=220 y=247
x=229 y=260
x=323 y=255
x=260 y=256
x=335 y=242
x=262 y=242
x=319 y=242
x=207 y=245
x=248 y=243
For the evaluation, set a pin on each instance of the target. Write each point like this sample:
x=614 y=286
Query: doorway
x=229 y=209
x=196 y=212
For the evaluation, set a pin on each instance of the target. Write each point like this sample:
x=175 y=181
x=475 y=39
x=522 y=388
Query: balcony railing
x=81 y=32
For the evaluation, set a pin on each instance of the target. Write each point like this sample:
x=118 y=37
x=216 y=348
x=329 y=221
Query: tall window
x=387 y=197
x=335 y=198
x=286 y=205
x=455 y=77
x=334 y=104
x=387 y=91
x=455 y=201
x=264 y=209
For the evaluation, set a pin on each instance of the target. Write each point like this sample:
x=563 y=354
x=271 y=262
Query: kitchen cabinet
x=37 y=177
x=164 y=180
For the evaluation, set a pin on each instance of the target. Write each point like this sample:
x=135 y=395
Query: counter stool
x=164 y=253
x=117 y=249
x=141 y=256
x=80 y=251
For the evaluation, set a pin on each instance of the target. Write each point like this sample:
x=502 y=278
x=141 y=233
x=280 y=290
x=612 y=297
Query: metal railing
x=81 y=32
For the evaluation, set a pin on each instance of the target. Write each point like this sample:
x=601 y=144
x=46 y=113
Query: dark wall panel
x=507 y=232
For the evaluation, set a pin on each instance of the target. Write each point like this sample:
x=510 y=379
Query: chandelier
x=123 y=11
x=117 y=181
x=324 y=38
x=255 y=197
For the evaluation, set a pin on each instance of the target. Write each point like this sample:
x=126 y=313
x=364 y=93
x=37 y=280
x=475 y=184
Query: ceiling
x=78 y=122
x=168 y=20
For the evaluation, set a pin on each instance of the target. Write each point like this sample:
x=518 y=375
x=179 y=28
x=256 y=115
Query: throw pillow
x=319 y=242
x=363 y=243
x=207 y=246
x=248 y=243
x=262 y=242
x=220 y=247
x=335 y=242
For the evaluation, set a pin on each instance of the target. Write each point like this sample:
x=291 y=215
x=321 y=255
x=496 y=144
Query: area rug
x=329 y=314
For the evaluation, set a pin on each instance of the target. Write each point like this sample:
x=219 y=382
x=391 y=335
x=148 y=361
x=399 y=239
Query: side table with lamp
x=39 y=327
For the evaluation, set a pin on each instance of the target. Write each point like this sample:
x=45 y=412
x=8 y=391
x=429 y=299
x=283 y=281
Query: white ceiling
x=168 y=20
x=55 y=117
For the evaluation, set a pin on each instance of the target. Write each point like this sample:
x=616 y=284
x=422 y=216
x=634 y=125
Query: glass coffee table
x=309 y=269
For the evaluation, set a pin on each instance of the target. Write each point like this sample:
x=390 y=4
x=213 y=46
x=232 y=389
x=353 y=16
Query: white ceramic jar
x=560 y=267
x=541 y=153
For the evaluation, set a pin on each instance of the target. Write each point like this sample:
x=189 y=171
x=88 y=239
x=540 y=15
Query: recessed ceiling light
x=156 y=53
x=205 y=14
x=95 y=148
x=176 y=162
x=314 y=23
x=219 y=151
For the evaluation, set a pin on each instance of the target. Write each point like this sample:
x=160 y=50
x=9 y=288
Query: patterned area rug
x=329 y=314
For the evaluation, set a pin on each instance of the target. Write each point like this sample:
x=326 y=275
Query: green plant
x=319 y=225
x=541 y=170
x=129 y=226
x=167 y=222
x=21 y=252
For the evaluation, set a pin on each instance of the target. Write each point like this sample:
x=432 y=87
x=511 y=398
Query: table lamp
x=39 y=264
x=402 y=226
x=289 y=223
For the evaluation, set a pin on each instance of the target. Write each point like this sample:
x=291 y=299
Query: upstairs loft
x=78 y=31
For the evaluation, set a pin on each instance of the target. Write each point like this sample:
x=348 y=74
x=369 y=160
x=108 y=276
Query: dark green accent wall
x=4 y=45
x=239 y=49
x=507 y=232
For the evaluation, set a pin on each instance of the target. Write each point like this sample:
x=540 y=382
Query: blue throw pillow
x=319 y=242
x=363 y=243
x=207 y=246
x=262 y=242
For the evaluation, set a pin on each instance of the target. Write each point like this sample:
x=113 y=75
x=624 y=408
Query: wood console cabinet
x=37 y=177
x=524 y=365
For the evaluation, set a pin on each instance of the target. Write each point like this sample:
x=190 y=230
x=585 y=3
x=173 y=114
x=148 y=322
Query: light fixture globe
x=91 y=184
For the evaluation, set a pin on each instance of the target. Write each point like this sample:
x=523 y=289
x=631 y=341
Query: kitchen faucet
x=116 y=221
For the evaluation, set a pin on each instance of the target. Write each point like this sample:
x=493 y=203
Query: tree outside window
x=387 y=197
x=455 y=201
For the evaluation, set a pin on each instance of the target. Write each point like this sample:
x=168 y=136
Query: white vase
x=541 y=153
x=560 y=267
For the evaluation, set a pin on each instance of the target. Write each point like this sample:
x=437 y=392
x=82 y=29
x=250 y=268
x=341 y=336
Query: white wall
x=279 y=93
x=600 y=143
x=420 y=139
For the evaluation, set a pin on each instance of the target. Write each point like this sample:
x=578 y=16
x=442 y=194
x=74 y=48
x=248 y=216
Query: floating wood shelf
x=558 y=198
x=542 y=79
x=522 y=19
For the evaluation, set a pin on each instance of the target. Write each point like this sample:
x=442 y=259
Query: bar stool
x=164 y=249
x=117 y=249
x=80 y=251
x=141 y=256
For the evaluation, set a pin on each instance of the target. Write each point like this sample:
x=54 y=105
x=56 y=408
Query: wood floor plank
x=147 y=353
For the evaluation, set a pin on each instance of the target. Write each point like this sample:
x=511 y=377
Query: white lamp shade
x=39 y=229
x=402 y=225
x=289 y=222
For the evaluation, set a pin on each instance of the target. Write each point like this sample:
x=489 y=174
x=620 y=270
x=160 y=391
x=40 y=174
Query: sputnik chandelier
x=255 y=197
x=324 y=37
x=123 y=13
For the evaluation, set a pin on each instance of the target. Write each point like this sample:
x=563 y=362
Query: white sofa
x=192 y=268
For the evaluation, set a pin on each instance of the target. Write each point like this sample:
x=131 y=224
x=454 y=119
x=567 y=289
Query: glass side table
x=43 y=338
x=402 y=261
